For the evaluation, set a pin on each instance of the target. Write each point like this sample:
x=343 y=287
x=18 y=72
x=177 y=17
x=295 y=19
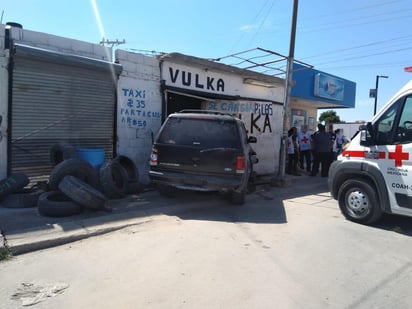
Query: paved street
x=282 y=249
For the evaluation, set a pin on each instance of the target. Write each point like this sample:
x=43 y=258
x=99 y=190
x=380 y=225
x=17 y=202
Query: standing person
x=338 y=144
x=321 y=147
x=331 y=132
x=293 y=152
x=332 y=140
x=305 y=149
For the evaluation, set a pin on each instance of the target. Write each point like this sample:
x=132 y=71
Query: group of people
x=313 y=151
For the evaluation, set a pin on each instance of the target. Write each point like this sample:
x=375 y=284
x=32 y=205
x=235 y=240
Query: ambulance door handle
x=371 y=154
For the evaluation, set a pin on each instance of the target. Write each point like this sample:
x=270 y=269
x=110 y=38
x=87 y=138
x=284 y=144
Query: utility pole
x=112 y=43
x=288 y=86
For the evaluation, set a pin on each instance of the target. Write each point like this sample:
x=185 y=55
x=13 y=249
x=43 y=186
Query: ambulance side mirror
x=366 y=134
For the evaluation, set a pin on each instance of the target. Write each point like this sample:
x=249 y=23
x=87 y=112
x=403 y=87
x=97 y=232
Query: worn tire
x=82 y=193
x=23 y=198
x=130 y=167
x=132 y=172
x=114 y=179
x=251 y=187
x=75 y=167
x=56 y=204
x=60 y=152
x=13 y=183
x=135 y=187
x=358 y=201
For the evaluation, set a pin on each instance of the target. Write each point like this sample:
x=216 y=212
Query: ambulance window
x=385 y=125
x=404 y=130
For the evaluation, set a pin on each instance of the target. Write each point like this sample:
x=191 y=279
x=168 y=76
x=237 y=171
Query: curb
x=33 y=239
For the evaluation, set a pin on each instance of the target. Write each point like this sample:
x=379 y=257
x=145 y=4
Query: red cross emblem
x=398 y=155
x=305 y=139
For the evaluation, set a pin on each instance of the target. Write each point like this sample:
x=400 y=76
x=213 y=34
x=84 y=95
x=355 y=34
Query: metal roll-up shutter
x=58 y=101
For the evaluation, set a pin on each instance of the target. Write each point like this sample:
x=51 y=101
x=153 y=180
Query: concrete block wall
x=60 y=44
x=139 y=108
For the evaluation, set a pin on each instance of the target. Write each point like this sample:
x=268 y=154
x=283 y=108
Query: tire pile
x=74 y=185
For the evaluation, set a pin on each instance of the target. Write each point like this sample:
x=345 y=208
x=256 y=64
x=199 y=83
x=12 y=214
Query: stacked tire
x=75 y=185
x=13 y=193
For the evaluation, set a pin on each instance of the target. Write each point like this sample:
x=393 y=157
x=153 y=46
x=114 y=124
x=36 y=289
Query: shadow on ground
x=394 y=223
x=263 y=206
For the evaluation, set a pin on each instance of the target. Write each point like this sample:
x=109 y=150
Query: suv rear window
x=209 y=133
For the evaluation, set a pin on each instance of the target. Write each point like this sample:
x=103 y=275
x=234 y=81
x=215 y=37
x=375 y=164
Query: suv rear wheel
x=238 y=198
x=166 y=190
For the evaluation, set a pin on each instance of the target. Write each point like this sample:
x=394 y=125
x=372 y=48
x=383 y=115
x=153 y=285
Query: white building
x=55 y=89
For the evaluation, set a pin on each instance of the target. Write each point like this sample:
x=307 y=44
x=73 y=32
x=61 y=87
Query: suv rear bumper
x=198 y=182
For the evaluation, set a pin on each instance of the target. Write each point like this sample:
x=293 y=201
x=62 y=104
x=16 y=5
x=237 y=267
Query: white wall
x=263 y=120
x=194 y=78
x=348 y=129
x=139 y=108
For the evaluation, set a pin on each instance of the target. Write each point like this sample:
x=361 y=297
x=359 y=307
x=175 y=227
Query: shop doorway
x=177 y=102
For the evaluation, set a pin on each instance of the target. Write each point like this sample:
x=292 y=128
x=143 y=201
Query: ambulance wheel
x=358 y=201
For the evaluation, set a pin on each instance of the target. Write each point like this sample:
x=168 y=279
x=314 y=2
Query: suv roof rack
x=206 y=111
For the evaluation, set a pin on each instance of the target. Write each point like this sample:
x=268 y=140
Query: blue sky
x=355 y=40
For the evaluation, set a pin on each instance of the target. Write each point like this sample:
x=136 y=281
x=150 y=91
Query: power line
x=254 y=20
x=357 y=47
x=262 y=22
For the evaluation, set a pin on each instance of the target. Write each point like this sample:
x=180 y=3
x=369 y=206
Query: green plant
x=5 y=252
x=329 y=116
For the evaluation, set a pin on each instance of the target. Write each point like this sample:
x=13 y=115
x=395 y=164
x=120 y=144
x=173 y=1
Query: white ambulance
x=373 y=174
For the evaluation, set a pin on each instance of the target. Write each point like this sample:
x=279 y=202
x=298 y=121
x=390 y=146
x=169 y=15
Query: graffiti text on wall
x=134 y=110
x=259 y=119
x=196 y=80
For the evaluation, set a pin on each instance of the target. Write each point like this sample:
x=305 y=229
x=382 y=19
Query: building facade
x=56 y=89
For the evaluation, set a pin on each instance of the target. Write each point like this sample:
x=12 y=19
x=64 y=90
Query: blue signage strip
x=314 y=85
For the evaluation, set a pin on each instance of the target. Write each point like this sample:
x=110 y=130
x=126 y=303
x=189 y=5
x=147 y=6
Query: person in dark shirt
x=321 y=147
x=332 y=135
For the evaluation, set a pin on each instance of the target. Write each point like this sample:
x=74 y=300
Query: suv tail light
x=153 y=157
x=240 y=164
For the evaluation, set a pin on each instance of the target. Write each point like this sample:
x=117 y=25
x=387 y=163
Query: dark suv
x=203 y=151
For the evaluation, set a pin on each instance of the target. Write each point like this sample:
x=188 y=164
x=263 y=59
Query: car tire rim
x=358 y=204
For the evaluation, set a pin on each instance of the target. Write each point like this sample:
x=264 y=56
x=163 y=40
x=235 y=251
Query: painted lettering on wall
x=134 y=111
x=196 y=80
x=256 y=116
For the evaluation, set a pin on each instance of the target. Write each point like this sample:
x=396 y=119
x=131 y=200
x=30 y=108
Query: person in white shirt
x=339 y=142
x=293 y=152
x=305 y=148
